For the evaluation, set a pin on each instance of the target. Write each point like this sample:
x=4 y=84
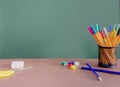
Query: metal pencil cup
x=107 y=56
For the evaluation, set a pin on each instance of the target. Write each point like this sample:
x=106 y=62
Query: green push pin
x=64 y=63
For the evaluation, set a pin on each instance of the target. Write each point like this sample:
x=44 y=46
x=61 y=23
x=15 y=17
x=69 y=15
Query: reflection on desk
x=49 y=72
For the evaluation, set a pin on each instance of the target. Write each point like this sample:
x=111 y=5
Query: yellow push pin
x=73 y=67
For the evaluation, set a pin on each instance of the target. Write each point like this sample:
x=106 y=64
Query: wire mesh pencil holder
x=107 y=56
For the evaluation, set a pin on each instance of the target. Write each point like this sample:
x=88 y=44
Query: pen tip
x=99 y=78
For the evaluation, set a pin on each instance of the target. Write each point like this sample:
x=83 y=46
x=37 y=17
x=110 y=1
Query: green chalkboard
x=53 y=28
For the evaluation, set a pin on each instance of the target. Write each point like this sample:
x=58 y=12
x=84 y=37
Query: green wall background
x=53 y=28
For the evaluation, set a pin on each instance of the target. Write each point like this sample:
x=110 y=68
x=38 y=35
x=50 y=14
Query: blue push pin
x=72 y=62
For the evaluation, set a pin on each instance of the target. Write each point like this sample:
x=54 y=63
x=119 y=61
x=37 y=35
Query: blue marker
x=118 y=27
x=110 y=28
x=118 y=31
x=93 y=29
x=94 y=72
x=98 y=28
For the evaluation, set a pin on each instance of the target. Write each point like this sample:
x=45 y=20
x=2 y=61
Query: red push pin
x=69 y=65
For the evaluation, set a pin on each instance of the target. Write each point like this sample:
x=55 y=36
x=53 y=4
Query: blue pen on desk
x=102 y=70
x=98 y=77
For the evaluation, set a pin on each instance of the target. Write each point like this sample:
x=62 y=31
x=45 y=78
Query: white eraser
x=17 y=65
x=77 y=64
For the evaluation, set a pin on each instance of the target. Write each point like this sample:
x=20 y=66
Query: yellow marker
x=106 y=42
x=118 y=41
x=98 y=40
x=99 y=36
x=7 y=73
x=111 y=33
x=114 y=38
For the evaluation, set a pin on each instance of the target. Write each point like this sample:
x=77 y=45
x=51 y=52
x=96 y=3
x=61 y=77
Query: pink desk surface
x=50 y=73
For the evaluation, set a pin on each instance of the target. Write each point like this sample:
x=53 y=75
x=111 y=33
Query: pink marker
x=90 y=30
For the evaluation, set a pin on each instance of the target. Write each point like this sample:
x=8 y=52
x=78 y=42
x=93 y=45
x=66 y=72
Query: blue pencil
x=94 y=72
x=101 y=70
